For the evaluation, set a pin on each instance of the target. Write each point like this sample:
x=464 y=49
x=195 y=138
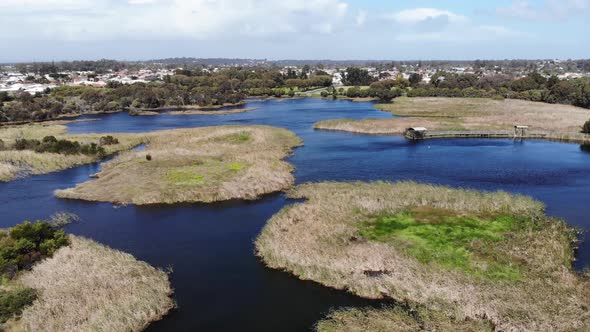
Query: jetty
x=420 y=133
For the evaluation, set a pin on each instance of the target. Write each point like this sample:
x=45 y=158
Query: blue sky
x=41 y=30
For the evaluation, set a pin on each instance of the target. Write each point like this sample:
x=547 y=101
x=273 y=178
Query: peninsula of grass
x=25 y=149
x=469 y=114
x=463 y=254
x=195 y=165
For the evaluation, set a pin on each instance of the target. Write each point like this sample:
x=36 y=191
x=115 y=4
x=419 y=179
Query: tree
x=357 y=76
x=415 y=79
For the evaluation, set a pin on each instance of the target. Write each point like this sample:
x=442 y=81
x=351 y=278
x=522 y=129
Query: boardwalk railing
x=475 y=134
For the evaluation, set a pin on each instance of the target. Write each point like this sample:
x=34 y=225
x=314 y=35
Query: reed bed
x=7 y=171
x=15 y=163
x=195 y=165
x=468 y=114
x=320 y=240
x=89 y=287
x=222 y=112
x=396 y=319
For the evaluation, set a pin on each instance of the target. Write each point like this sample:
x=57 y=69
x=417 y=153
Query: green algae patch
x=437 y=236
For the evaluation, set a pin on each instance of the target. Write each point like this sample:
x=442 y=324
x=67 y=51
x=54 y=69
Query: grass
x=184 y=178
x=195 y=165
x=466 y=254
x=90 y=287
x=14 y=164
x=13 y=301
x=437 y=236
x=396 y=319
x=464 y=114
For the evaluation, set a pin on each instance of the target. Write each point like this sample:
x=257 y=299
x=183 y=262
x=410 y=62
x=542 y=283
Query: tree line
x=533 y=87
x=185 y=87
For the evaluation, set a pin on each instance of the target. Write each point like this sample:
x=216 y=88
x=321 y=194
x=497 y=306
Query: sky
x=46 y=30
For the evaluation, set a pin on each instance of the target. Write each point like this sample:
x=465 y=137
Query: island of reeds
x=449 y=257
x=195 y=165
x=52 y=281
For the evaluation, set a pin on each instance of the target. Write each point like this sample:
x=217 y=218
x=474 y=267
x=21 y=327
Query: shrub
x=586 y=127
x=26 y=243
x=148 y=157
x=108 y=140
x=62 y=146
x=2 y=144
x=26 y=144
x=49 y=139
x=324 y=94
x=13 y=301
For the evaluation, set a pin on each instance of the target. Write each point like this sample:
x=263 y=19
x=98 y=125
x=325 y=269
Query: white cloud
x=520 y=9
x=140 y=2
x=434 y=25
x=361 y=17
x=163 y=19
x=550 y=9
x=419 y=15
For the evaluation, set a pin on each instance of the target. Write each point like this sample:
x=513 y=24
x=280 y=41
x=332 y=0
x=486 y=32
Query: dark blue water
x=220 y=285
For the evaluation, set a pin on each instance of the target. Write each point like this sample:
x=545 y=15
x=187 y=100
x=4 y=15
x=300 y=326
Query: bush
x=107 y=140
x=62 y=146
x=12 y=302
x=26 y=144
x=49 y=139
x=586 y=127
x=148 y=157
x=324 y=94
x=26 y=243
x=2 y=146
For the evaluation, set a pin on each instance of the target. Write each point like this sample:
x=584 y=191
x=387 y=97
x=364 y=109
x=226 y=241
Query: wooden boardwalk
x=476 y=134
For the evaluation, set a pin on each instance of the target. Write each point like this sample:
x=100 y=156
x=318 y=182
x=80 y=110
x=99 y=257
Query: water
x=220 y=285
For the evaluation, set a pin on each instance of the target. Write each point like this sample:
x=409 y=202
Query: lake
x=220 y=285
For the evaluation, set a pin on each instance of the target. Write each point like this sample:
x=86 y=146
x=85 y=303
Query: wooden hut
x=520 y=130
x=415 y=132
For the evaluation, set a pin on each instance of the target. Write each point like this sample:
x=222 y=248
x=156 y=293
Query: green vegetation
x=236 y=166
x=442 y=237
x=184 y=177
x=586 y=127
x=533 y=87
x=20 y=248
x=13 y=301
x=460 y=255
x=108 y=140
x=27 y=243
x=51 y=144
